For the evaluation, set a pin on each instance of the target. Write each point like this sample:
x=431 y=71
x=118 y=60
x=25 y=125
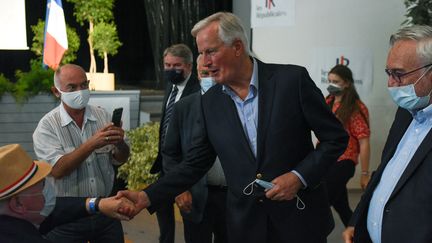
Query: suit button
x=387 y=210
x=260 y=200
x=259 y=176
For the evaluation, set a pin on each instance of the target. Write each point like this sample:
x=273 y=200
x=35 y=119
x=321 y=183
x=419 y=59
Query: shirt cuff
x=301 y=178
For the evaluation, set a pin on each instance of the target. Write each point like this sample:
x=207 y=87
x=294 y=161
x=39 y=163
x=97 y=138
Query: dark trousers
x=95 y=229
x=213 y=223
x=166 y=221
x=337 y=179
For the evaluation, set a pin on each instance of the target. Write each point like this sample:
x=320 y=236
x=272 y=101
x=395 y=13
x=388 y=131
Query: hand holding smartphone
x=116 y=116
x=265 y=184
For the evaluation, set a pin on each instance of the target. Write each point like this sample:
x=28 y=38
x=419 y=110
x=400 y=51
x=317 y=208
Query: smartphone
x=264 y=184
x=116 y=116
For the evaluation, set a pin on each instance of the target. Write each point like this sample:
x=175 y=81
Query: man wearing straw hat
x=26 y=199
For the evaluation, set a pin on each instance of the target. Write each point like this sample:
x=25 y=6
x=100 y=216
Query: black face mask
x=175 y=76
x=334 y=89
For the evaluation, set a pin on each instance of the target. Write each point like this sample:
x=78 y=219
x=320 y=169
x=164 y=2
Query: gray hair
x=180 y=50
x=422 y=34
x=230 y=28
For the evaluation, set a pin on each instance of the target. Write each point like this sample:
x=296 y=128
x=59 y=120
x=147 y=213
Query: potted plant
x=102 y=36
x=37 y=80
x=143 y=152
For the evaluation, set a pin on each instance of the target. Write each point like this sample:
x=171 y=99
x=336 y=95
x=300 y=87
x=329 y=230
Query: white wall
x=13 y=25
x=336 y=23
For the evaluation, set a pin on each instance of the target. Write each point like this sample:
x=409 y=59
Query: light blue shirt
x=411 y=140
x=247 y=110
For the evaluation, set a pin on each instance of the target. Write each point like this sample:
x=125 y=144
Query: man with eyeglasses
x=81 y=144
x=397 y=204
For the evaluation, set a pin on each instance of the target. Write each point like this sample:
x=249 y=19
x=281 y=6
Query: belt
x=217 y=187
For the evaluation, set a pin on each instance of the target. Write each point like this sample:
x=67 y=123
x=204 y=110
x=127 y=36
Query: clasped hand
x=119 y=208
x=138 y=198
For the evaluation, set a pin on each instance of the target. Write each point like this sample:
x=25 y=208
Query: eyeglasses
x=397 y=75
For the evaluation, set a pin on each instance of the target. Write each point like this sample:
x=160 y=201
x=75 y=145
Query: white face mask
x=207 y=83
x=406 y=97
x=77 y=99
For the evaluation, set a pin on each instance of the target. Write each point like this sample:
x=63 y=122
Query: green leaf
x=144 y=143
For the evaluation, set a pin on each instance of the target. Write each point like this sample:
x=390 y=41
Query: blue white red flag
x=55 y=38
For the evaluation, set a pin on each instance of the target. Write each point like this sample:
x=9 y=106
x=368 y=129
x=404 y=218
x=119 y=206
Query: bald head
x=68 y=73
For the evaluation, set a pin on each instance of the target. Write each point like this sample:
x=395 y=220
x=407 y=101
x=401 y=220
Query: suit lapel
x=266 y=90
x=402 y=121
x=230 y=115
x=191 y=86
x=416 y=160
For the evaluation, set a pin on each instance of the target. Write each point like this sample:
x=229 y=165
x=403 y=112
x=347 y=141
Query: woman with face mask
x=345 y=103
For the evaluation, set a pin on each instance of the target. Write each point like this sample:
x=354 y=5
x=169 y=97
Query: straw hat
x=18 y=171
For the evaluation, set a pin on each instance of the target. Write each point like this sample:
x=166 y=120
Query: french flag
x=55 y=38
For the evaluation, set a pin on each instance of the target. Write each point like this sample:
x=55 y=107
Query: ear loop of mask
x=248 y=190
x=418 y=80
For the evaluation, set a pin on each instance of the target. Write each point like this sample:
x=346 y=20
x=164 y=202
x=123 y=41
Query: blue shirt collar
x=253 y=82
x=421 y=115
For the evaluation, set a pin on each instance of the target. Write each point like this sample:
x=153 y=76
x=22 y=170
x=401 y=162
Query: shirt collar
x=253 y=82
x=422 y=115
x=66 y=118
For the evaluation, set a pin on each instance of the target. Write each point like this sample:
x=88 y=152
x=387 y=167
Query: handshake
x=125 y=205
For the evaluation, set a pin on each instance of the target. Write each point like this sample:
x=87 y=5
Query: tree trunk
x=105 y=62
x=90 y=42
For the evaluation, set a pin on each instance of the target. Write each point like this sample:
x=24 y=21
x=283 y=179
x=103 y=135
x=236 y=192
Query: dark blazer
x=192 y=86
x=186 y=113
x=290 y=107
x=408 y=212
x=15 y=230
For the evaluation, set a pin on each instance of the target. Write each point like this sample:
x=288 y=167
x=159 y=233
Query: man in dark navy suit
x=203 y=206
x=397 y=204
x=258 y=119
x=181 y=82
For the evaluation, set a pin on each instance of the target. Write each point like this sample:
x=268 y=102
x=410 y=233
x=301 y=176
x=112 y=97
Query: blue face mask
x=207 y=83
x=406 y=97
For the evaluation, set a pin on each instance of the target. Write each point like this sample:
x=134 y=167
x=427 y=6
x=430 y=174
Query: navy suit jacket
x=290 y=108
x=408 y=212
x=191 y=87
x=179 y=135
x=15 y=230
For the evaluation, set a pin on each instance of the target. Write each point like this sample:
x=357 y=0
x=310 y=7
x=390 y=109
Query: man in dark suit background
x=397 y=204
x=181 y=82
x=203 y=206
x=258 y=119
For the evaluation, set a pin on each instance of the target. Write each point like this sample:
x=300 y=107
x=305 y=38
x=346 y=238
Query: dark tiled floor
x=144 y=229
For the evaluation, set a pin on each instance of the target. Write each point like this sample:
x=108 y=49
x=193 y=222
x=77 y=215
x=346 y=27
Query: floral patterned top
x=357 y=128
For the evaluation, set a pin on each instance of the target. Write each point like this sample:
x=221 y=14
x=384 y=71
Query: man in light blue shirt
x=397 y=205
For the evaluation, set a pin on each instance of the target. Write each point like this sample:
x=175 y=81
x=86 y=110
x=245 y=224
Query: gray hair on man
x=422 y=34
x=230 y=28
x=180 y=50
